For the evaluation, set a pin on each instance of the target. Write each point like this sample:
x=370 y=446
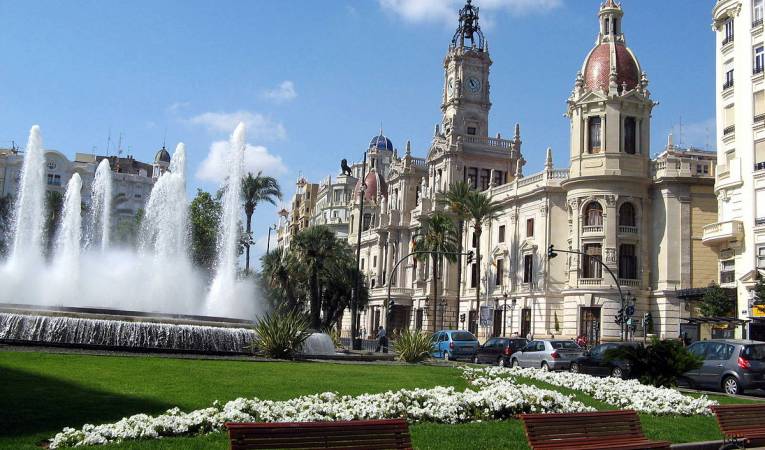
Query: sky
x=316 y=80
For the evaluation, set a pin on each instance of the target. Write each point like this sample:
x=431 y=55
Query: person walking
x=382 y=340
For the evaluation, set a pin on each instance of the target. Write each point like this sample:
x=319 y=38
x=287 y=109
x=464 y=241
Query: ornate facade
x=641 y=217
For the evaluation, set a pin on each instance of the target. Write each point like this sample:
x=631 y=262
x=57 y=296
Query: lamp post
x=442 y=306
x=268 y=242
x=355 y=342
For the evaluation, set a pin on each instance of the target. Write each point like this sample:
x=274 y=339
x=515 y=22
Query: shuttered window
x=759 y=103
x=759 y=152
x=730 y=116
x=760 y=200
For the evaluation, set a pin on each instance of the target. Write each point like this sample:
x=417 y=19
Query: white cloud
x=177 y=106
x=256 y=158
x=445 y=11
x=259 y=126
x=283 y=93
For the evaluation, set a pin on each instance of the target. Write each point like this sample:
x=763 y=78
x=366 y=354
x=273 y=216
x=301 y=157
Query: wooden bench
x=587 y=431
x=355 y=434
x=741 y=423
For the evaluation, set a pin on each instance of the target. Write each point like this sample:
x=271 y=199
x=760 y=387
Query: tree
x=256 y=189
x=54 y=206
x=337 y=285
x=314 y=247
x=759 y=290
x=481 y=209
x=660 y=363
x=280 y=281
x=6 y=219
x=716 y=302
x=455 y=200
x=204 y=216
x=126 y=231
x=438 y=238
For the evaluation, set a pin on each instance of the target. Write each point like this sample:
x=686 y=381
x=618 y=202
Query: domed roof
x=597 y=67
x=380 y=142
x=376 y=186
x=162 y=156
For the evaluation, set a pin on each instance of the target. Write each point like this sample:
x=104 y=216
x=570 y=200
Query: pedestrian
x=382 y=340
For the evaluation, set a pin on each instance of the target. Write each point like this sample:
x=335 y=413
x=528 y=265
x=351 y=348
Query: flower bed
x=629 y=394
x=496 y=398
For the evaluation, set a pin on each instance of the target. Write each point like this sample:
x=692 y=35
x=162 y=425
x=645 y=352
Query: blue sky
x=315 y=79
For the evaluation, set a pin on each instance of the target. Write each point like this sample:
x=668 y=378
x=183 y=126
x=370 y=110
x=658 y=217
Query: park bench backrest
x=545 y=429
x=738 y=419
x=356 y=434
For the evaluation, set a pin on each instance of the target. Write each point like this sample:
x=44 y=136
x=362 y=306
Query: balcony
x=727 y=85
x=721 y=232
x=727 y=40
x=624 y=229
x=590 y=281
x=759 y=166
x=626 y=282
x=759 y=221
x=758 y=70
x=592 y=229
x=756 y=23
x=729 y=130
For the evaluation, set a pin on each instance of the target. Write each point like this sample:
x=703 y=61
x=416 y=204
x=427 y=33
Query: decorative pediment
x=528 y=246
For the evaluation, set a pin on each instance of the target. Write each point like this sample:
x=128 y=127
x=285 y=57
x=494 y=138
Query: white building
x=738 y=235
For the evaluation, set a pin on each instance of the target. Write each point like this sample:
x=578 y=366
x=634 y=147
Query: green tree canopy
x=257 y=189
x=716 y=302
x=204 y=217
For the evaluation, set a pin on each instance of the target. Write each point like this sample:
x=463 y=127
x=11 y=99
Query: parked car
x=733 y=365
x=454 y=344
x=498 y=350
x=547 y=354
x=595 y=363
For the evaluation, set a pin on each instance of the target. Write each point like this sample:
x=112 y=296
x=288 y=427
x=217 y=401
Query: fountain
x=96 y=294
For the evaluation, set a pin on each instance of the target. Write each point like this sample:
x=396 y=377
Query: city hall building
x=643 y=218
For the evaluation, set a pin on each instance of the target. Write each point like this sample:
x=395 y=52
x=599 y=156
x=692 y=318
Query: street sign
x=486 y=316
x=630 y=310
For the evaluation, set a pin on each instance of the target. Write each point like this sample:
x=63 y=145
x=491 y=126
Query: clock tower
x=465 y=105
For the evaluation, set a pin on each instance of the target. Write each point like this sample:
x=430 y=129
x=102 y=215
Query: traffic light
x=551 y=252
x=470 y=257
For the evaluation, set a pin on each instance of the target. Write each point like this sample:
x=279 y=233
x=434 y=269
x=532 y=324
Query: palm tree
x=314 y=247
x=279 y=275
x=256 y=189
x=438 y=238
x=480 y=209
x=455 y=200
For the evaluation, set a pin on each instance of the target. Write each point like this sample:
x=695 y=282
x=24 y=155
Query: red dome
x=597 y=68
x=376 y=185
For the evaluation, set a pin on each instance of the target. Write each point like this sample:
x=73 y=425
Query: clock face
x=450 y=87
x=474 y=85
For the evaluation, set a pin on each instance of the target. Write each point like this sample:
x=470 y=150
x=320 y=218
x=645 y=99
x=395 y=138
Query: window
x=529 y=227
x=475 y=240
x=528 y=268
x=759 y=207
x=485 y=177
x=50 y=179
x=501 y=233
x=756 y=13
x=374 y=261
x=472 y=177
x=729 y=119
x=593 y=215
x=366 y=222
x=473 y=275
x=630 y=135
x=590 y=261
x=728 y=79
x=728 y=32
x=500 y=273
x=373 y=283
x=727 y=271
x=362 y=263
x=499 y=178
x=627 y=215
x=761 y=257
x=338 y=195
x=594 y=135
x=471 y=131
x=627 y=262
x=759 y=105
x=759 y=59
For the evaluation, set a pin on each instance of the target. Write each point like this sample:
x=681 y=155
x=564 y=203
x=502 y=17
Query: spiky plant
x=412 y=346
x=281 y=335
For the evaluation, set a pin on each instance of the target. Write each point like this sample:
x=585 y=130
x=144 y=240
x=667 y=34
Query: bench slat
x=741 y=421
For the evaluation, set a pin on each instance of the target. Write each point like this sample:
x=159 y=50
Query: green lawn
x=40 y=393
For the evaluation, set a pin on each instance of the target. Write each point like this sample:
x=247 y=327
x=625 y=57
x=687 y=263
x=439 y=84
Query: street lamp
x=442 y=306
x=268 y=243
x=356 y=343
x=505 y=307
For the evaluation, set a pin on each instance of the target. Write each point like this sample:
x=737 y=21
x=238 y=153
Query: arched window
x=627 y=262
x=630 y=135
x=593 y=126
x=627 y=215
x=593 y=214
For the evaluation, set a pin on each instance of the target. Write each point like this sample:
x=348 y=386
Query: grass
x=40 y=393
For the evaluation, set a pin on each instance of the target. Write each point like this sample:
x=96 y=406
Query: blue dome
x=381 y=143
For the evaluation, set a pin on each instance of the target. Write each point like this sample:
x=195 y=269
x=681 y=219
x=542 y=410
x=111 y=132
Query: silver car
x=732 y=365
x=547 y=354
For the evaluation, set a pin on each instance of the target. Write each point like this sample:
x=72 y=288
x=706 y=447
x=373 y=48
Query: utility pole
x=356 y=344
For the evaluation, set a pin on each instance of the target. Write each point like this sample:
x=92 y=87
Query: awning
x=698 y=293
x=715 y=320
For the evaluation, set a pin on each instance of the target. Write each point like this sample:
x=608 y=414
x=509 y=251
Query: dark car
x=498 y=350
x=732 y=365
x=595 y=362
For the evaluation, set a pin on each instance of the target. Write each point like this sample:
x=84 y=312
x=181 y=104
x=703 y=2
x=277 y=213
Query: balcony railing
x=759 y=118
x=627 y=229
x=756 y=23
x=727 y=277
x=729 y=130
x=727 y=40
x=727 y=85
x=629 y=282
x=729 y=231
x=759 y=166
x=592 y=229
x=757 y=70
x=759 y=221
x=590 y=281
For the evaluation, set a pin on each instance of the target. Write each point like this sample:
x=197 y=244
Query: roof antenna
x=682 y=140
x=108 y=141
x=164 y=137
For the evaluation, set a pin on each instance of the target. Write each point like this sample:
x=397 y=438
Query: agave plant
x=412 y=346
x=281 y=335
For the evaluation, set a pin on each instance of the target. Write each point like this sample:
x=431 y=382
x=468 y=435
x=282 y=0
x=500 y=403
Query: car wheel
x=475 y=360
x=501 y=362
x=545 y=367
x=617 y=372
x=731 y=385
x=574 y=367
x=515 y=363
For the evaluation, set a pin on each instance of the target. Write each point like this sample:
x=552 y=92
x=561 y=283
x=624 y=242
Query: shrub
x=412 y=346
x=659 y=364
x=281 y=335
x=334 y=333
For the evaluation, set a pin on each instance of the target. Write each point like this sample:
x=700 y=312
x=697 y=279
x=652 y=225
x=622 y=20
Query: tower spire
x=468 y=28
